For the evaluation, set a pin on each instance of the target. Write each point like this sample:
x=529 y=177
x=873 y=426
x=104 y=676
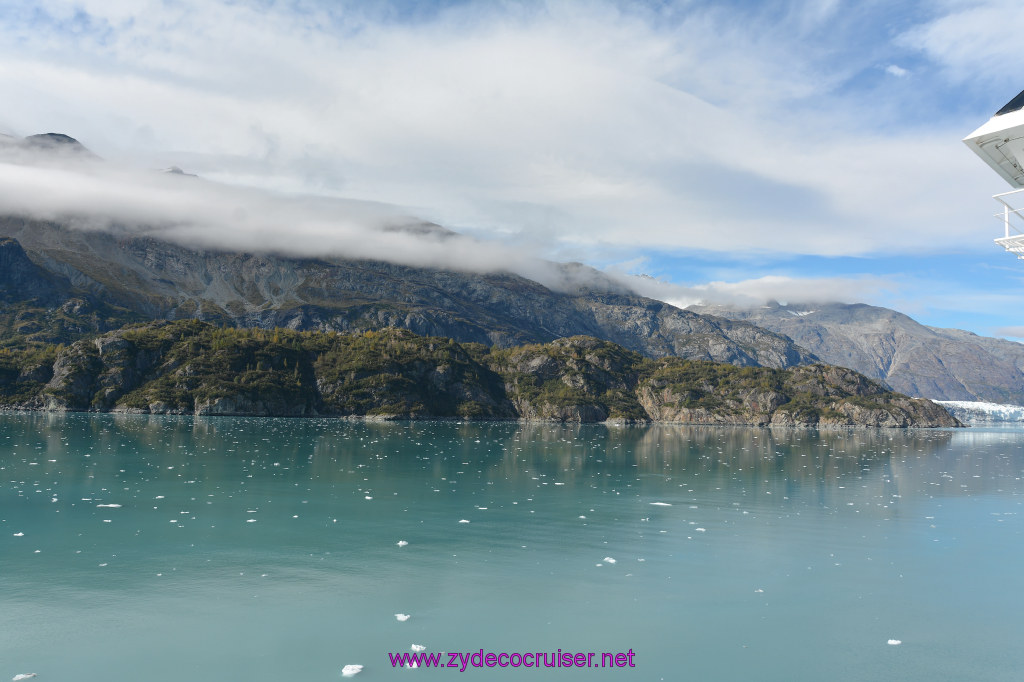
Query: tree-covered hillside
x=193 y=367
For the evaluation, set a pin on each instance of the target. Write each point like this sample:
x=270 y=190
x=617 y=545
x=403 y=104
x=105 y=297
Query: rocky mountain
x=157 y=279
x=191 y=367
x=37 y=306
x=941 y=364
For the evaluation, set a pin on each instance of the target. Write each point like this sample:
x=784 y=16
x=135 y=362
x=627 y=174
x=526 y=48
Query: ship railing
x=1013 y=221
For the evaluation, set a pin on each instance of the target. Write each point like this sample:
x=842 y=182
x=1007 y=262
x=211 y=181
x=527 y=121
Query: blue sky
x=794 y=150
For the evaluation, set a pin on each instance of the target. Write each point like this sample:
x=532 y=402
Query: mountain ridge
x=886 y=345
x=156 y=279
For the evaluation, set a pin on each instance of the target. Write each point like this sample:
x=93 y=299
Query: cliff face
x=23 y=280
x=159 y=280
x=941 y=364
x=190 y=367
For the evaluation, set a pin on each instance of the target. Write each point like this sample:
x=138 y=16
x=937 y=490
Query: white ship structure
x=1000 y=144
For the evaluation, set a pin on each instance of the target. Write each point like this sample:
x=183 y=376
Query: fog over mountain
x=53 y=177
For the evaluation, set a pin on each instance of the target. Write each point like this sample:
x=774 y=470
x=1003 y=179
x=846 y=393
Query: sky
x=731 y=150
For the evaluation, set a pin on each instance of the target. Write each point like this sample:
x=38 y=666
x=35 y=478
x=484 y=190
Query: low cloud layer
x=86 y=193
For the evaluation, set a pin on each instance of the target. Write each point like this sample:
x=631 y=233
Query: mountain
x=53 y=145
x=941 y=364
x=39 y=307
x=191 y=367
x=156 y=279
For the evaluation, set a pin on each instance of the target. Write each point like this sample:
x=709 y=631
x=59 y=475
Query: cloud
x=86 y=193
x=972 y=40
x=760 y=290
x=568 y=126
x=896 y=70
x=1015 y=333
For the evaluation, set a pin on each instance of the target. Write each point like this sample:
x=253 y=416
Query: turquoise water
x=266 y=549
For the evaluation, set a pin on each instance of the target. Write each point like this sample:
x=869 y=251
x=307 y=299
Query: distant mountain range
x=59 y=282
x=941 y=364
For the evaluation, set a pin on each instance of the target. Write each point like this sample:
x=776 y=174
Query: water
x=266 y=549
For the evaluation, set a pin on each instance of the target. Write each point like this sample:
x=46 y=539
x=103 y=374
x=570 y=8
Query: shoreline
x=391 y=418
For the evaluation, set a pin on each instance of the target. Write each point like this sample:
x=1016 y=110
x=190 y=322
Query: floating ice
x=23 y=676
x=608 y=560
x=661 y=504
x=250 y=520
x=111 y=506
x=19 y=535
x=463 y=520
x=351 y=670
x=402 y=617
x=418 y=647
x=894 y=642
x=401 y=543
x=369 y=497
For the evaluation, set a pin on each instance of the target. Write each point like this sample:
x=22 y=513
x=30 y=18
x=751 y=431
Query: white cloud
x=896 y=70
x=973 y=40
x=1015 y=333
x=571 y=126
x=757 y=291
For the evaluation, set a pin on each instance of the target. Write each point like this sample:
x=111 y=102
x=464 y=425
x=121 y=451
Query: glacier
x=982 y=412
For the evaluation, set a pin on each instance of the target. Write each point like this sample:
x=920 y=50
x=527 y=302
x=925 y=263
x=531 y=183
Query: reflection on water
x=202 y=542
